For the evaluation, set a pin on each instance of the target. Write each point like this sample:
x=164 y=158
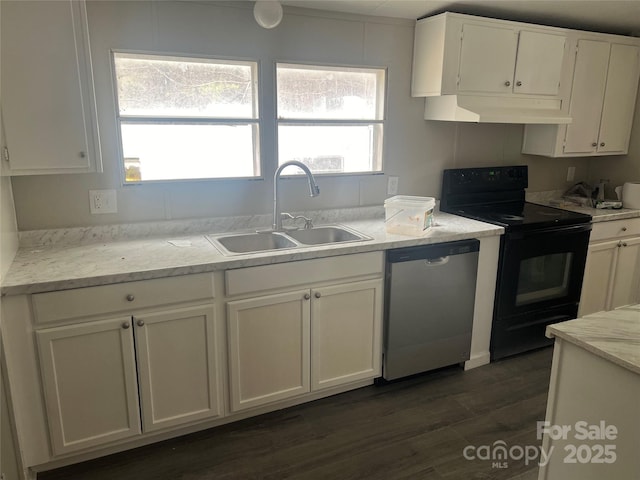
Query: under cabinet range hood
x=481 y=109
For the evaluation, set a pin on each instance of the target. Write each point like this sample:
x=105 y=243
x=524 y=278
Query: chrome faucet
x=314 y=190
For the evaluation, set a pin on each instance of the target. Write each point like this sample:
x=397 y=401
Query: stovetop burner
x=509 y=218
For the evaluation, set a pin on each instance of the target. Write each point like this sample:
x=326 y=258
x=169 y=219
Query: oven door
x=541 y=269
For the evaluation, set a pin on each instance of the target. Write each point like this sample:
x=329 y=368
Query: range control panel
x=467 y=180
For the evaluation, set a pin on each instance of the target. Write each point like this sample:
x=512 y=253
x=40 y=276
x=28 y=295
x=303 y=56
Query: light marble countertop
x=90 y=257
x=554 y=199
x=613 y=335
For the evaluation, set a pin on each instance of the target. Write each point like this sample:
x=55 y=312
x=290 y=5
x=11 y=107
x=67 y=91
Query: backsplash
x=120 y=232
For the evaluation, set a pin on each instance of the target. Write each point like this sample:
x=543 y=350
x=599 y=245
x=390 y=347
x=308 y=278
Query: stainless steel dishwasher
x=430 y=294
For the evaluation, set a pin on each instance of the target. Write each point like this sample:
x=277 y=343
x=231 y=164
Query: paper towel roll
x=631 y=195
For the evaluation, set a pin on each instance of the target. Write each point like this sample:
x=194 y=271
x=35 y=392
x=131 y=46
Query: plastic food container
x=408 y=215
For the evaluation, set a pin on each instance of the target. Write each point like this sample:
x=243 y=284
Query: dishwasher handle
x=434 y=262
x=432 y=252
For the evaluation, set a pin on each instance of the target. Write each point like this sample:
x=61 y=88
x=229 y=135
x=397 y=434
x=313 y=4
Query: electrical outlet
x=571 y=174
x=392 y=186
x=103 y=201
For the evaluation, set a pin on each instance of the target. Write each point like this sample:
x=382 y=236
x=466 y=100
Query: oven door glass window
x=543 y=278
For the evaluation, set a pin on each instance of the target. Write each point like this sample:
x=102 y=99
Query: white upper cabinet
x=539 y=65
x=603 y=98
x=619 y=99
x=47 y=93
x=503 y=60
x=461 y=54
x=602 y=102
x=589 y=81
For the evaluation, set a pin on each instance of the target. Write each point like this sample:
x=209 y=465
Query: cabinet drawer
x=122 y=297
x=615 y=229
x=304 y=272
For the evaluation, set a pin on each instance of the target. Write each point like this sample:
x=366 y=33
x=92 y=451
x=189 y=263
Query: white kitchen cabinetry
x=92 y=373
x=593 y=388
x=47 y=88
x=303 y=340
x=90 y=387
x=268 y=348
x=612 y=271
x=602 y=103
x=461 y=54
x=345 y=333
x=177 y=368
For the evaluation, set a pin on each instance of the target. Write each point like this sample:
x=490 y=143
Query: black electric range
x=542 y=253
x=521 y=215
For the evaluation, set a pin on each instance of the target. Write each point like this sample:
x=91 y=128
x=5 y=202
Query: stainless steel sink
x=328 y=234
x=239 y=243
x=251 y=242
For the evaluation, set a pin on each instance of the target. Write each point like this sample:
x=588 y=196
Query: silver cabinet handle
x=624 y=229
x=624 y=244
x=307 y=296
x=507 y=83
x=619 y=244
x=602 y=144
x=82 y=154
x=130 y=298
x=140 y=323
x=126 y=325
x=318 y=294
x=594 y=144
x=518 y=83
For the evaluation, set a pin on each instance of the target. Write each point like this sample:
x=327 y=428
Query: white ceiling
x=610 y=16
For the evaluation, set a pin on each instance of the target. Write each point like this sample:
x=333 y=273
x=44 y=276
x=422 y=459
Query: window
x=186 y=118
x=331 y=118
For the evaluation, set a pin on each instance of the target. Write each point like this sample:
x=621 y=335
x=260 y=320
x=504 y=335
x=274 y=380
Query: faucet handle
x=308 y=223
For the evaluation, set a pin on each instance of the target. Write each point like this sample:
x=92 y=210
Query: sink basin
x=251 y=242
x=329 y=234
x=239 y=243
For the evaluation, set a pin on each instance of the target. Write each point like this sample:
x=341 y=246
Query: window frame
x=257 y=121
x=381 y=110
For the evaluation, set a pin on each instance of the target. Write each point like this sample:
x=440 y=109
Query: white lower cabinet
x=612 y=271
x=90 y=386
x=177 y=371
x=345 y=333
x=268 y=348
x=99 y=369
x=289 y=343
x=116 y=378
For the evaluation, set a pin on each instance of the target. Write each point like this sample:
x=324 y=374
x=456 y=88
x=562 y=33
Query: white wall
x=415 y=150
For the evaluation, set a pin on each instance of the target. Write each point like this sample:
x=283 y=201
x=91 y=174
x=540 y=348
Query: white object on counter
x=409 y=215
x=629 y=193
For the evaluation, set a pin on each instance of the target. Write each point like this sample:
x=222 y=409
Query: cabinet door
x=626 y=283
x=177 y=366
x=619 y=99
x=90 y=387
x=47 y=91
x=487 y=59
x=346 y=333
x=268 y=348
x=539 y=63
x=598 y=277
x=589 y=81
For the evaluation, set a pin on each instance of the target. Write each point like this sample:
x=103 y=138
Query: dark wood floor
x=411 y=429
